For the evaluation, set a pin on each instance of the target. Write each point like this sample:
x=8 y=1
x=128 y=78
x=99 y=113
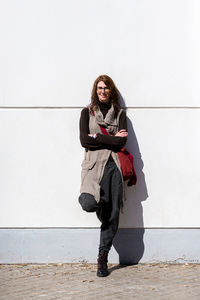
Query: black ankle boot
x=102 y=268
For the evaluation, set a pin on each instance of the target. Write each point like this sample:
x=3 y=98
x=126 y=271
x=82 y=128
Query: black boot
x=102 y=268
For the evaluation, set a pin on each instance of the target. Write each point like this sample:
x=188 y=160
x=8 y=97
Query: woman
x=103 y=132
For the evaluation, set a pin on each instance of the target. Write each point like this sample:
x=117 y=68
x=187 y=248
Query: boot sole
x=102 y=275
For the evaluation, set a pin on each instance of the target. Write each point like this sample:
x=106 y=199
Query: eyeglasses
x=105 y=89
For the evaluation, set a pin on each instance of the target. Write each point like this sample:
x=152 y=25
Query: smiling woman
x=103 y=92
x=101 y=178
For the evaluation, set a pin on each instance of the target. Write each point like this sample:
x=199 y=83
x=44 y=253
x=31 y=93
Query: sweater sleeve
x=102 y=141
x=85 y=139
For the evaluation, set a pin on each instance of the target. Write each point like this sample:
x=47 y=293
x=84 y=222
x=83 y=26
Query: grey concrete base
x=68 y=245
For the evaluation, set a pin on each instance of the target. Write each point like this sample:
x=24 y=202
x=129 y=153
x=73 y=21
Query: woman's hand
x=93 y=136
x=122 y=133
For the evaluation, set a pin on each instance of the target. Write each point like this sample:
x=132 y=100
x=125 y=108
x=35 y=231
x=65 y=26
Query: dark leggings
x=108 y=208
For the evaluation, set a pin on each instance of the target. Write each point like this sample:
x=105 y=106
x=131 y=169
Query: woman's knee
x=88 y=202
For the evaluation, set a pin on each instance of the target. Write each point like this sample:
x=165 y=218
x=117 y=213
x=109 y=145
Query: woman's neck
x=104 y=105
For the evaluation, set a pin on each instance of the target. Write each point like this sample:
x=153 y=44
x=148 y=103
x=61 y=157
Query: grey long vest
x=94 y=161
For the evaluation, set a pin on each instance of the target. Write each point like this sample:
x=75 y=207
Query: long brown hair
x=114 y=95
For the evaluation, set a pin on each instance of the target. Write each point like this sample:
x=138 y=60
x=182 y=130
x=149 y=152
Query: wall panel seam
x=80 y=228
x=80 y=107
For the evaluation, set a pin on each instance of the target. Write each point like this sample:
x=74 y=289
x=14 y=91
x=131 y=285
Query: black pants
x=108 y=209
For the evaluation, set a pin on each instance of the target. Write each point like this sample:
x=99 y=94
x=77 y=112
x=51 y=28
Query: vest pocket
x=87 y=164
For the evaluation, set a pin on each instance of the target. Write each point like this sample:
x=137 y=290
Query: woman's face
x=103 y=92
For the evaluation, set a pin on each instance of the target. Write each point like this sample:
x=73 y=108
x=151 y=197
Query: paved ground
x=79 y=281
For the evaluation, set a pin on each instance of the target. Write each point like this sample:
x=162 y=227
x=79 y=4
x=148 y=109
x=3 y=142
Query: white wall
x=50 y=54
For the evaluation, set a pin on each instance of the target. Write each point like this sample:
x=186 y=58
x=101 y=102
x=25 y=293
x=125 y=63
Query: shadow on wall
x=128 y=241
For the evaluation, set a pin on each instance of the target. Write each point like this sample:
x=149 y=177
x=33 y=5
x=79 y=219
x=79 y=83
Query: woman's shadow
x=128 y=241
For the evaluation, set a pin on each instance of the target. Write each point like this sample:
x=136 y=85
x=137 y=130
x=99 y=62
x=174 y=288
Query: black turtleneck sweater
x=114 y=143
